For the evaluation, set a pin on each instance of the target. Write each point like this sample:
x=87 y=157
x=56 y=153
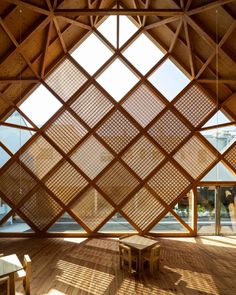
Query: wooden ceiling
x=36 y=34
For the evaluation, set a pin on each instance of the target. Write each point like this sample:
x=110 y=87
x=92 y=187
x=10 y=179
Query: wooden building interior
x=119 y=117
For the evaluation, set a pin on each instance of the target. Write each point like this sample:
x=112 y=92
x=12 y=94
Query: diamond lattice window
x=108 y=141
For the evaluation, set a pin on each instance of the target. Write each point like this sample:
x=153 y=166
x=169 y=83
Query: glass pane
x=17 y=119
x=221 y=138
x=34 y=106
x=169 y=224
x=117 y=224
x=143 y=62
x=219 y=173
x=184 y=208
x=15 y=225
x=14 y=138
x=66 y=224
x=4 y=156
x=169 y=80
x=109 y=29
x=228 y=210
x=206 y=210
x=126 y=29
x=218 y=118
x=92 y=54
x=117 y=79
x=4 y=209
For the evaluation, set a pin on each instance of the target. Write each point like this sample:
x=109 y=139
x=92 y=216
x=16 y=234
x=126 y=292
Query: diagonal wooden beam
x=147 y=4
x=17 y=80
x=190 y=52
x=162 y=22
x=218 y=126
x=41 y=26
x=209 y=6
x=177 y=32
x=188 y=4
x=29 y=6
x=17 y=126
x=59 y=35
x=205 y=65
x=90 y=6
x=8 y=32
x=49 y=5
x=18 y=47
x=54 y=4
x=136 y=6
x=207 y=38
x=46 y=49
x=75 y=22
x=222 y=41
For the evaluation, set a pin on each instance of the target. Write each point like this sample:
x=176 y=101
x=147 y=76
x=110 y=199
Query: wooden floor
x=205 y=265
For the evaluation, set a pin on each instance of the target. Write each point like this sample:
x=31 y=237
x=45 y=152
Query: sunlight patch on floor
x=84 y=278
x=218 y=241
x=75 y=240
x=55 y=292
x=201 y=282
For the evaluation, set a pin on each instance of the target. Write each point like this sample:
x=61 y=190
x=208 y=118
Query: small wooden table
x=139 y=243
x=8 y=266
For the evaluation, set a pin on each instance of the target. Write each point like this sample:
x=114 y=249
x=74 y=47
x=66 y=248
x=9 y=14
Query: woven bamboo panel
x=169 y=131
x=169 y=183
x=15 y=183
x=117 y=131
x=143 y=157
x=40 y=157
x=117 y=183
x=92 y=208
x=143 y=105
x=194 y=157
x=66 y=79
x=92 y=157
x=231 y=156
x=143 y=208
x=66 y=183
x=195 y=105
x=66 y=131
x=91 y=106
x=41 y=209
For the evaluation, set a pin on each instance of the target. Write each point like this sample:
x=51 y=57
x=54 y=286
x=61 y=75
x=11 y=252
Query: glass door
x=206 y=210
x=227 y=196
x=216 y=210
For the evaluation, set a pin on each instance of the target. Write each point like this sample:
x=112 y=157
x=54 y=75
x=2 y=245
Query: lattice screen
x=98 y=156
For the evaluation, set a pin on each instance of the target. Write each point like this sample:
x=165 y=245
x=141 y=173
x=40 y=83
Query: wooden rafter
x=46 y=49
x=74 y=22
x=176 y=34
x=190 y=54
x=209 y=6
x=162 y=22
x=59 y=34
x=131 y=12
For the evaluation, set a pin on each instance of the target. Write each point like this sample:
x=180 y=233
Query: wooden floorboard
x=203 y=265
